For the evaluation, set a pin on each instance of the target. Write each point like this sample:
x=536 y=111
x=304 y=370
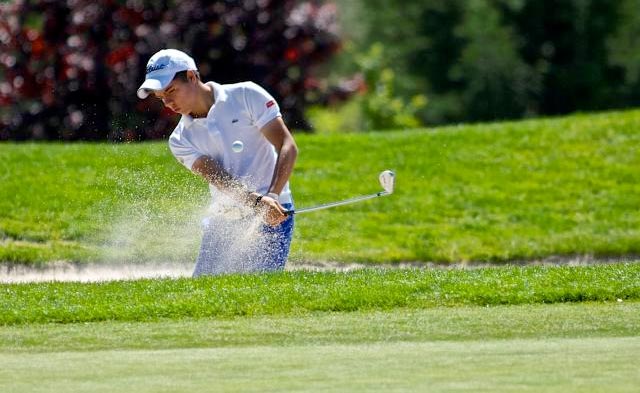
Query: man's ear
x=191 y=76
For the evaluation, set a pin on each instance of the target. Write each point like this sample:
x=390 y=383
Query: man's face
x=179 y=96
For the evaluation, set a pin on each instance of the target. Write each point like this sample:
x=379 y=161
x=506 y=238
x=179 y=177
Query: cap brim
x=154 y=83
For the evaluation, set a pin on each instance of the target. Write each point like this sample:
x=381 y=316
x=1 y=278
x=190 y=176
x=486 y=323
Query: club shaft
x=339 y=203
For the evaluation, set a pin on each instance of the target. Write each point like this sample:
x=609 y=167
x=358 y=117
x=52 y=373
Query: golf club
x=387 y=181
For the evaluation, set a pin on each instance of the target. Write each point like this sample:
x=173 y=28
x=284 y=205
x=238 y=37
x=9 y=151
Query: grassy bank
x=489 y=192
x=299 y=293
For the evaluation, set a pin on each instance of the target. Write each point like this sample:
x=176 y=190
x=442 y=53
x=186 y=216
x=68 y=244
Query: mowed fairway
x=564 y=347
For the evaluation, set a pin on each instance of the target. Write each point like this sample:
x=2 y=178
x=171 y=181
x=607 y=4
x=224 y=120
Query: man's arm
x=280 y=137
x=214 y=173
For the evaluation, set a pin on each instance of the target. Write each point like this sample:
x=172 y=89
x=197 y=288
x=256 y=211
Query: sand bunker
x=95 y=272
x=64 y=271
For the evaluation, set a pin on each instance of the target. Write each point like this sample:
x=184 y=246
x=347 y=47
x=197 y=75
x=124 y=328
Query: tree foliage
x=381 y=107
x=499 y=59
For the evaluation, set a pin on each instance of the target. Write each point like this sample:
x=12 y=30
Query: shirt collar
x=219 y=92
x=219 y=95
x=186 y=120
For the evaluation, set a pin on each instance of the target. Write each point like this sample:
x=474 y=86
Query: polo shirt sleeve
x=183 y=151
x=261 y=105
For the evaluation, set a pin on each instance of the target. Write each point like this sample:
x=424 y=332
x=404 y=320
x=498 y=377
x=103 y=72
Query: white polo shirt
x=239 y=111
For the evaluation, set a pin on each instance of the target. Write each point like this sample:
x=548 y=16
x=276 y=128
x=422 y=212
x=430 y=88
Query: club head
x=387 y=181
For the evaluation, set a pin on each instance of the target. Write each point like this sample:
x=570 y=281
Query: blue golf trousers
x=243 y=245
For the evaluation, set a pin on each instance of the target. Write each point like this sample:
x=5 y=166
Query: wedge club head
x=387 y=181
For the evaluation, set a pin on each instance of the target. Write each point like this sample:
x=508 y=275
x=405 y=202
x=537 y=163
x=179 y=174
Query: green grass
x=68 y=201
x=299 y=293
x=586 y=365
x=461 y=323
x=584 y=347
x=492 y=192
x=489 y=192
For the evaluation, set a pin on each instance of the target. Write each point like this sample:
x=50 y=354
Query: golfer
x=234 y=137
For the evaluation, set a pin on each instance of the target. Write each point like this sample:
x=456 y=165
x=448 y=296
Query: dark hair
x=182 y=76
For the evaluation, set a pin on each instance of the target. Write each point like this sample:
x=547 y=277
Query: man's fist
x=272 y=211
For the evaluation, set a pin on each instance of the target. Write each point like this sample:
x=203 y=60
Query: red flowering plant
x=69 y=70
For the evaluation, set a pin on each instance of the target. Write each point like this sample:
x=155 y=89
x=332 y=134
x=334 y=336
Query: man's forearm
x=284 y=167
x=215 y=174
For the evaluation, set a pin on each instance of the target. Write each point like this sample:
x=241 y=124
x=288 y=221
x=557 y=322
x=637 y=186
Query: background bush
x=69 y=70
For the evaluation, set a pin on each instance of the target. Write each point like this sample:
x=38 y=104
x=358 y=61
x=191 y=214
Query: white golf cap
x=162 y=67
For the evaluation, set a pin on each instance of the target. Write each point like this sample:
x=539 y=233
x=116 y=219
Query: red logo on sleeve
x=271 y=103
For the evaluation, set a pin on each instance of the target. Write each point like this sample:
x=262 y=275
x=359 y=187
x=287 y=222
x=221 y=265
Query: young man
x=234 y=137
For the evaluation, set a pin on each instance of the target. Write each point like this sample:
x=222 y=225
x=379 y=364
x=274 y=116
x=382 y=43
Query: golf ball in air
x=237 y=146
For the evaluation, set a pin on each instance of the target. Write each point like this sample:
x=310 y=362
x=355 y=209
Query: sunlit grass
x=487 y=192
x=299 y=293
x=553 y=347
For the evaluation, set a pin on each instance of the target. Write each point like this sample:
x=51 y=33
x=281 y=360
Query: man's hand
x=272 y=211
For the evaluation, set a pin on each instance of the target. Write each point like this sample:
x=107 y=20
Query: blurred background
x=69 y=70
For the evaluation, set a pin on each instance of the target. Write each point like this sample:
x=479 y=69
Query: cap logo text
x=157 y=67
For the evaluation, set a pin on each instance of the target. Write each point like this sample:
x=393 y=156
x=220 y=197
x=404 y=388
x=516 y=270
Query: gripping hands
x=270 y=209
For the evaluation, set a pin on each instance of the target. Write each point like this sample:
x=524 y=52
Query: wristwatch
x=258 y=199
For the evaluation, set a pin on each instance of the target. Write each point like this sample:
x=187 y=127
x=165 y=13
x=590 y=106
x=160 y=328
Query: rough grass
x=299 y=293
x=489 y=192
